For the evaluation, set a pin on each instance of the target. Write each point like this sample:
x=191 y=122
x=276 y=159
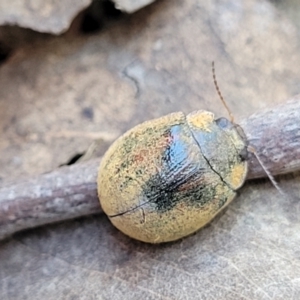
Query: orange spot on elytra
x=143 y=154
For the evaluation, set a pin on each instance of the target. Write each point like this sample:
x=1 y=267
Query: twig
x=63 y=194
x=70 y=192
x=275 y=134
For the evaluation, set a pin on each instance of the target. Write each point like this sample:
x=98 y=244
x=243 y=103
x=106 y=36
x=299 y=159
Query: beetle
x=166 y=178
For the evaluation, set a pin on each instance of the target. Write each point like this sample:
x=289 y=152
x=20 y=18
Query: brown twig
x=70 y=192
x=275 y=134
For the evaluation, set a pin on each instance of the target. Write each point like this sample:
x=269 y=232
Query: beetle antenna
x=219 y=93
x=270 y=176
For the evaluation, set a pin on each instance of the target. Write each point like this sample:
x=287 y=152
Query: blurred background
x=73 y=72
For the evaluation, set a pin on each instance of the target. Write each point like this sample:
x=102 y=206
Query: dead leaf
x=55 y=95
x=52 y=16
x=131 y=6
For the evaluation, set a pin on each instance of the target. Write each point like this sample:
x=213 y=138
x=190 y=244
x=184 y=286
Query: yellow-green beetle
x=166 y=178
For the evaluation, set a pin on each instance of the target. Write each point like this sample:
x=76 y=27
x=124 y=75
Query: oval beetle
x=166 y=178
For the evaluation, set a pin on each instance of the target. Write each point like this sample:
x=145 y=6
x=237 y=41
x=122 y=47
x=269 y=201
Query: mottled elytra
x=166 y=178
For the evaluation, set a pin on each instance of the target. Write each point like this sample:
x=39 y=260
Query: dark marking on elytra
x=179 y=180
x=207 y=160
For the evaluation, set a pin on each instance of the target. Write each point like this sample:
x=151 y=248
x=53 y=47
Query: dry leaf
x=57 y=94
x=52 y=16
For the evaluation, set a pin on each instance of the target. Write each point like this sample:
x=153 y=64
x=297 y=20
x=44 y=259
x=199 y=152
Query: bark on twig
x=275 y=134
x=70 y=192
